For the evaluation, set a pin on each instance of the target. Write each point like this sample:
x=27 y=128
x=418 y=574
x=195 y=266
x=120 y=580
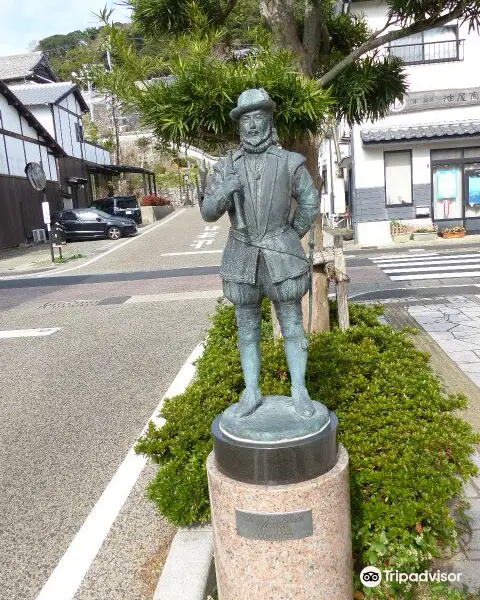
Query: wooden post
x=341 y=281
x=308 y=146
x=320 y=308
x=277 y=332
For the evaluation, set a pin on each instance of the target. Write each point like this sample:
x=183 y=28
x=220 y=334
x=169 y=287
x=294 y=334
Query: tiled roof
x=46 y=93
x=31 y=120
x=41 y=93
x=18 y=65
x=376 y=135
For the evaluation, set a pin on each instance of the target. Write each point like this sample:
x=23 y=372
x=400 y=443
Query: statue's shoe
x=301 y=401
x=250 y=400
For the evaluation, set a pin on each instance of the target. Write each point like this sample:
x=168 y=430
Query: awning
x=119 y=169
x=457 y=129
x=115 y=170
x=76 y=180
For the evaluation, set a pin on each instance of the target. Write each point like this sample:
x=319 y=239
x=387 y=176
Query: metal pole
x=187 y=188
x=114 y=113
x=90 y=102
x=49 y=229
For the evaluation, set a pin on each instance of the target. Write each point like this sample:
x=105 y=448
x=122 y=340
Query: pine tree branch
x=376 y=42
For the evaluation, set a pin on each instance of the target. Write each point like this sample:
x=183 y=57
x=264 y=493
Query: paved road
x=418 y=272
x=182 y=240
x=76 y=400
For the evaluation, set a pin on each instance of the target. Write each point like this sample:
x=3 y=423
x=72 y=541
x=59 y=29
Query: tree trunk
x=308 y=146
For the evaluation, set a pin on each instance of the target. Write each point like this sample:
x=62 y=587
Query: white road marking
x=200 y=243
x=67 y=576
x=438 y=269
x=431 y=259
x=192 y=252
x=206 y=237
x=434 y=276
x=432 y=263
x=399 y=256
x=175 y=296
x=19 y=333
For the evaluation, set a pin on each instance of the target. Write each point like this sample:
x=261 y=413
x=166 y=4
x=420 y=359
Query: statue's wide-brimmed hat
x=249 y=100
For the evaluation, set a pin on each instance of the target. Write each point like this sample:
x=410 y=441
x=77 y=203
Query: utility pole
x=114 y=113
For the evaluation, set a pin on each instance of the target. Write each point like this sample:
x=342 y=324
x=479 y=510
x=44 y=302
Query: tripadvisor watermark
x=371 y=576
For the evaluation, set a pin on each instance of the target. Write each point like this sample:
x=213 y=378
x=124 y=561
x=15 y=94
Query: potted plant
x=400 y=231
x=155 y=208
x=425 y=233
x=453 y=232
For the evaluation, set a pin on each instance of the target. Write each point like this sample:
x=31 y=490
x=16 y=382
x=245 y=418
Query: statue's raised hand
x=231 y=184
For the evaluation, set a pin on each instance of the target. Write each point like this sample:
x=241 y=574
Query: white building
x=334 y=164
x=421 y=164
x=23 y=139
x=41 y=121
x=59 y=108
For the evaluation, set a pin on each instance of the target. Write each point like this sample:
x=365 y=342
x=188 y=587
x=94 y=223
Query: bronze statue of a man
x=264 y=255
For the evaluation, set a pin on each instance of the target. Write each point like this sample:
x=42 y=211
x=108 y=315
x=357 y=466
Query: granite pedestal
x=281 y=517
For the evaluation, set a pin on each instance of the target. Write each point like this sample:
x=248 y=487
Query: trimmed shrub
x=408 y=452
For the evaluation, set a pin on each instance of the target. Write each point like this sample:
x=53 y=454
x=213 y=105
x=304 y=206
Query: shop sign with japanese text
x=434 y=99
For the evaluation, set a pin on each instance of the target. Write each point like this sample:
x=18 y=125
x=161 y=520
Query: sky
x=25 y=21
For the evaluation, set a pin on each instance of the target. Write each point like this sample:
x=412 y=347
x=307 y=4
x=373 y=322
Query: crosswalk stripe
x=433 y=257
x=19 y=333
x=449 y=261
x=435 y=276
x=434 y=266
x=446 y=261
x=460 y=267
x=402 y=256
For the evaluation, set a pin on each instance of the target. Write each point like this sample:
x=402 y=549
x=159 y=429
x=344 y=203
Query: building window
x=436 y=45
x=398 y=178
x=79 y=132
x=324 y=180
x=447 y=192
x=456 y=183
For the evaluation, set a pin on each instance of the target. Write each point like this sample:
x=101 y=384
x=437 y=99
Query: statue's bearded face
x=255 y=127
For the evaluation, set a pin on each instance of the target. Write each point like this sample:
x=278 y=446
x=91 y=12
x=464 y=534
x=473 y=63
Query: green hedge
x=408 y=452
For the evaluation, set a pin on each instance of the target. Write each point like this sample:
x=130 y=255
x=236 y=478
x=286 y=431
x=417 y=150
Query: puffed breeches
x=244 y=294
x=286 y=297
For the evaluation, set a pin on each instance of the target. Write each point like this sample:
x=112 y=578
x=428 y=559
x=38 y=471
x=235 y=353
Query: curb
x=394 y=248
x=16 y=274
x=189 y=571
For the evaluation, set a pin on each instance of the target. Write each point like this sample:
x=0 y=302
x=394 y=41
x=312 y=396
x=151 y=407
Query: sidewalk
x=438 y=244
x=36 y=258
x=449 y=330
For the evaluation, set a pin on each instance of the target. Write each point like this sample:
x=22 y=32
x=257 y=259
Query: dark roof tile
x=377 y=135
